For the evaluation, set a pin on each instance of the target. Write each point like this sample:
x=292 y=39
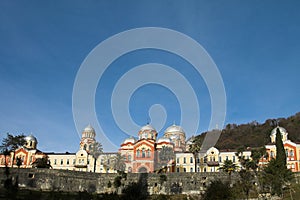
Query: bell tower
x=87 y=138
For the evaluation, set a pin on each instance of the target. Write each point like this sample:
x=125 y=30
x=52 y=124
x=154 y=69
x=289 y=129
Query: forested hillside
x=255 y=134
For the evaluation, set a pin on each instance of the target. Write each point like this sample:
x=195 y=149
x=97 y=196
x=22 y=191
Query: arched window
x=148 y=153
x=138 y=153
x=144 y=136
x=143 y=153
x=129 y=157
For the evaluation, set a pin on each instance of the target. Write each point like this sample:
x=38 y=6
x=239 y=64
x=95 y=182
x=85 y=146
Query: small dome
x=30 y=138
x=129 y=140
x=88 y=132
x=89 y=128
x=30 y=142
x=148 y=127
x=164 y=139
x=281 y=129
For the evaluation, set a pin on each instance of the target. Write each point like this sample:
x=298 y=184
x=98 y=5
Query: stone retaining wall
x=74 y=181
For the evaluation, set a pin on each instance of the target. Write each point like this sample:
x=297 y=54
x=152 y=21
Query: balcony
x=212 y=163
x=81 y=165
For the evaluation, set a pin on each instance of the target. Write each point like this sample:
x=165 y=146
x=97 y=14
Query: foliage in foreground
x=276 y=175
x=218 y=190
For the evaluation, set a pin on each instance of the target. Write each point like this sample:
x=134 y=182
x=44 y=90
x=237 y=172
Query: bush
x=162 y=178
x=109 y=184
x=117 y=181
x=218 y=190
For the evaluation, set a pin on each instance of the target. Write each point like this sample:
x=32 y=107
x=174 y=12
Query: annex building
x=146 y=153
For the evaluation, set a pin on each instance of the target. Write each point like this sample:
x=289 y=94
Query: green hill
x=255 y=134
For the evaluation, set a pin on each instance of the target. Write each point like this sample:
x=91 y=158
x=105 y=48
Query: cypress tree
x=280 y=152
x=276 y=173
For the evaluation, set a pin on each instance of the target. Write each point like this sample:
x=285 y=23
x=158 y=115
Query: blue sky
x=255 y=45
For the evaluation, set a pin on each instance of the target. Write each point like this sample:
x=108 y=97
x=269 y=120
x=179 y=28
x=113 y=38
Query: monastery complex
x=143 y=153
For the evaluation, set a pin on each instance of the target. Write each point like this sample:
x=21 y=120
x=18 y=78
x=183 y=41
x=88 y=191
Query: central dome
x=174 y=128
x=147 y=132
x=177 y=135
x=147 y=127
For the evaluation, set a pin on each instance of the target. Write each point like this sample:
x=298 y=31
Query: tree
x=117 y=181
x=256 y=155
x=118 y=162
x=136 y=190
x=228 y=167
x=96 y=150
x=108 y=162
x=280 y=152
x=41 y=163
x=275 y=177
x=276 y=174
x=217 y=190
x=11 y=144
x=19 y=162
x=248 y=166
x=246 y=181
x=195 y=148
x=166 y=154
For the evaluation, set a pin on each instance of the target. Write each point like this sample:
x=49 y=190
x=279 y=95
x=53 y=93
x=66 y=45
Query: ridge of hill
x=254 y=134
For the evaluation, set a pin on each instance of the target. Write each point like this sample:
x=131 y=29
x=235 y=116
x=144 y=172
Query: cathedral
x=142 y=153
x=145 y=153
